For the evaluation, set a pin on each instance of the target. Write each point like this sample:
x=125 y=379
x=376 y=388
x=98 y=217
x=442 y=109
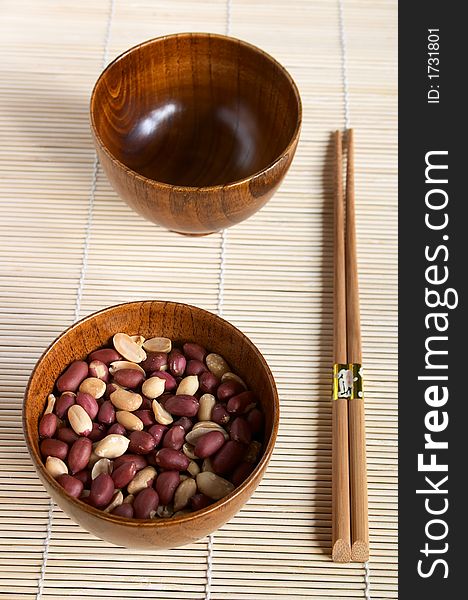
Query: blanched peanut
x=103 y=465
x=94 y=386
x=125 y=400
x=129 y=420
x=142 y=479
x=206 y=405
x=129 y=349
x=153 y=387
x=213 y=486
x=79 y=420
x=112 y=446
x=183 y=493
x=217 y=365
x=55 y=466
x=188 y=386
x=158 y=344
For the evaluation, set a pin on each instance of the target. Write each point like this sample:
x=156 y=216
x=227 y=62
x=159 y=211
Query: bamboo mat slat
x=61 y=223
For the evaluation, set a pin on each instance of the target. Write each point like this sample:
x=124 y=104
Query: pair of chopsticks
x=349 y=473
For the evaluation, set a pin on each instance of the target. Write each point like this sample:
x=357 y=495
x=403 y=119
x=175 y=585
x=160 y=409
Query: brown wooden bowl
x=180 y=322
x=195 y=131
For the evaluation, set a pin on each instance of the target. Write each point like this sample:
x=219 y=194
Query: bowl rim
x=238 y=182
x=168 y=522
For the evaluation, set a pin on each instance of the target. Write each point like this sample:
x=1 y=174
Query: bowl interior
x=180 y=322
x=195 y=110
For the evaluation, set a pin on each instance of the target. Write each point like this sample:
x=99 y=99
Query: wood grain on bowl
x=195 y=131
x=181 y=323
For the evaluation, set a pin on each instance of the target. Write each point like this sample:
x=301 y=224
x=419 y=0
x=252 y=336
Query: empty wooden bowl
x=180 y=322
x=195 y=131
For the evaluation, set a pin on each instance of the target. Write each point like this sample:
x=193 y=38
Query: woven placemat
x=70 y=246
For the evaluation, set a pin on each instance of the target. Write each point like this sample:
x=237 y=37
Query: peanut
x=213 y=486
x=55 y=466
x=73 y=376
x=125 y=365
x=183 y=493
x=105 y=355
x=102 y=490
x=112 y=446
x=94 y=386
x=117 y=500
x=174 y=437
x=124 y=474
x=98 y=369
x=63 y=403
x=208 y=383
x=206 y=405
x=208 y=444
x=79 y=419
x=124 y=510
x=125 y=400
x=217 y=365
x=194 y=351
x=158 y=344
x=153 y=387
x=103 y=465
x=129 y=349
x=142 y=479
x=141 y=442
x=188 y=386
x=188 y=450
x=138 y=339
x=79 y=454
x=171 y=459
x=193 y=468
x=130 y=421
x=160 y=414
x=176 y=363
x=182 y=405
x=228 y=457
x=129 y=378
x=50 y=404
x=145 y=502
x=48 y=425
x=88 y=402
x=71 y=485
x=166 y=485
x=233 y=377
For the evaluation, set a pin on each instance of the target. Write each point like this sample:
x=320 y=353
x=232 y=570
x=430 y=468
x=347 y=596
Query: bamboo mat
x=69 y=246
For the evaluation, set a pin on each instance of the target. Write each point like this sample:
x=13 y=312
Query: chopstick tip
x=341 y=551
x=360 y=551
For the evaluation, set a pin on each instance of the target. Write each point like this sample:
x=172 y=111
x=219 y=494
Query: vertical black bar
x=433 y=524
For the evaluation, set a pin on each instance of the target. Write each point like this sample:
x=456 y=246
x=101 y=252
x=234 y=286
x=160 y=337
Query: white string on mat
x=344 y=63
x=367 y=590
x=222 y=264
x=79 y=293
x=92 y=194
x=344 y=72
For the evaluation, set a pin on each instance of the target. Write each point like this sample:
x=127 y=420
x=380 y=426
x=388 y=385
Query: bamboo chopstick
x=341 y=535
x=357 y=438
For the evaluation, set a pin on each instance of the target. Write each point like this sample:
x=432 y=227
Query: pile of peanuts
x=147 y=430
